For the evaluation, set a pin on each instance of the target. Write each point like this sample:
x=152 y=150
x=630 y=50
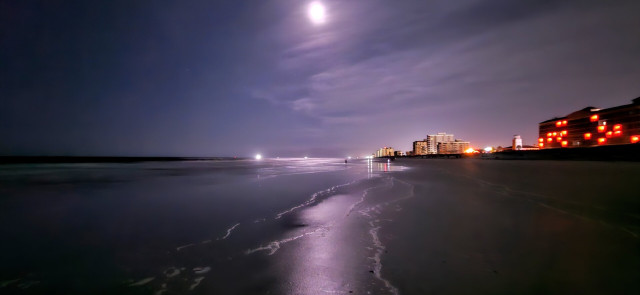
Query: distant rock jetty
x=65 y=159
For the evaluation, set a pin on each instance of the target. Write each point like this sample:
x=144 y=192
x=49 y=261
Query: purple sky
x=235 y=78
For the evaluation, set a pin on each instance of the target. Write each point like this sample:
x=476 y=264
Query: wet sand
x=412 y=226
x=473 y=227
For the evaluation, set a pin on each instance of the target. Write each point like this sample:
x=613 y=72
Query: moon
x=317 y=13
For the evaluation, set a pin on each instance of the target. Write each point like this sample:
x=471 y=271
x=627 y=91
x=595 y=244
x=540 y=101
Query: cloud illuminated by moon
x=317 y=12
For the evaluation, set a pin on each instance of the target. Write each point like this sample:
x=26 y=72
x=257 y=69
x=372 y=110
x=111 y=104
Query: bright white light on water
x=317 y=12
x=258 y=157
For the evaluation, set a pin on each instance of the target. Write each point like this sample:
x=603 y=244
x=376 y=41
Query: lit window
x=602 y=140
x=555 y=134
x=617 y=133
x=564 y=132
x=609 y=134
x=617 y=127
x=594 y=118
x=549 y=139
x=559 y=123
x=549 y=134
x=564 y=123
x=558 y=139
x=565 y=143
x=541 y=145
x=635 y=138
x=602 y=128
x=541 y=139
x=587 y=136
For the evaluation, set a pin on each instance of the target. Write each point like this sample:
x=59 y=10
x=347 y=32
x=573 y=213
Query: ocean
x=320 y=226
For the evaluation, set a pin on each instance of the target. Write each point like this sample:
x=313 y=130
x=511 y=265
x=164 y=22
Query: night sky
x=235 y=78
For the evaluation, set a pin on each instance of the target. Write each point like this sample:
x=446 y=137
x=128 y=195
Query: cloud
x=416 y=62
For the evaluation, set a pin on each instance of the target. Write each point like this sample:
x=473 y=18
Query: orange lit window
x=564 y=123
x=617 y=133
x=565 y=143
x=555 y=133
x=549 y=139
x=564 y=132
x=602 y=140
x=617 y=127
x=541 y=145
x=587 y=136
x=635 y=138
x=609 y=134
x=602 y=128
x=558 y=139
x=594 y=118
x=559 y=123
x=549 y=134
x=541 y=139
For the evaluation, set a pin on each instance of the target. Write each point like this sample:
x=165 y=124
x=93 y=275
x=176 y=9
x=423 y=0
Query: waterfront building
x=419 y=148
x=385 y=152
x=434 y=140
x=516 y=143
x=592 y=127
x=453 y=147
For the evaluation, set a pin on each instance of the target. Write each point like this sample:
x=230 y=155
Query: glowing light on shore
x=488 y=149
x=317 y=13
x=469 y=151
x=258 y=157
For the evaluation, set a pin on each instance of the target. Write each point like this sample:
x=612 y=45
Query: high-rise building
x=420 y=148
x=434 y=140
x=385 y=152
x=453 y=147
x=593 y=127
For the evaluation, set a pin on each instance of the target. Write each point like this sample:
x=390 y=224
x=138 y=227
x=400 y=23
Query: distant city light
x=258 y=157
x=469 y=151
x=306 y=157
x=488 y=149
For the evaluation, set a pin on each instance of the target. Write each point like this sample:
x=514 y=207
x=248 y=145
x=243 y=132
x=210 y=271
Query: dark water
x=318 y=226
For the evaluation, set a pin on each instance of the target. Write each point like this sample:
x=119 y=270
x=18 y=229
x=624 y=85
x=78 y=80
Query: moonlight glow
x=317 y=13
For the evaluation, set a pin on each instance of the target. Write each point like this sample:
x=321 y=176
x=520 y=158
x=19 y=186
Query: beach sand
x=468 y=226
x=410 y=226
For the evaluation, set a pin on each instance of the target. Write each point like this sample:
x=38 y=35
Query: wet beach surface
x=411 y=226
x=516 y=227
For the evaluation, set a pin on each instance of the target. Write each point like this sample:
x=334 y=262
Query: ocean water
x=167 y=227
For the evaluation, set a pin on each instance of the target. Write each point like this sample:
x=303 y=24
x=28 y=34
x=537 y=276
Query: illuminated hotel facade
x=384 y=152
x=592 y=127
x=453 y=147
